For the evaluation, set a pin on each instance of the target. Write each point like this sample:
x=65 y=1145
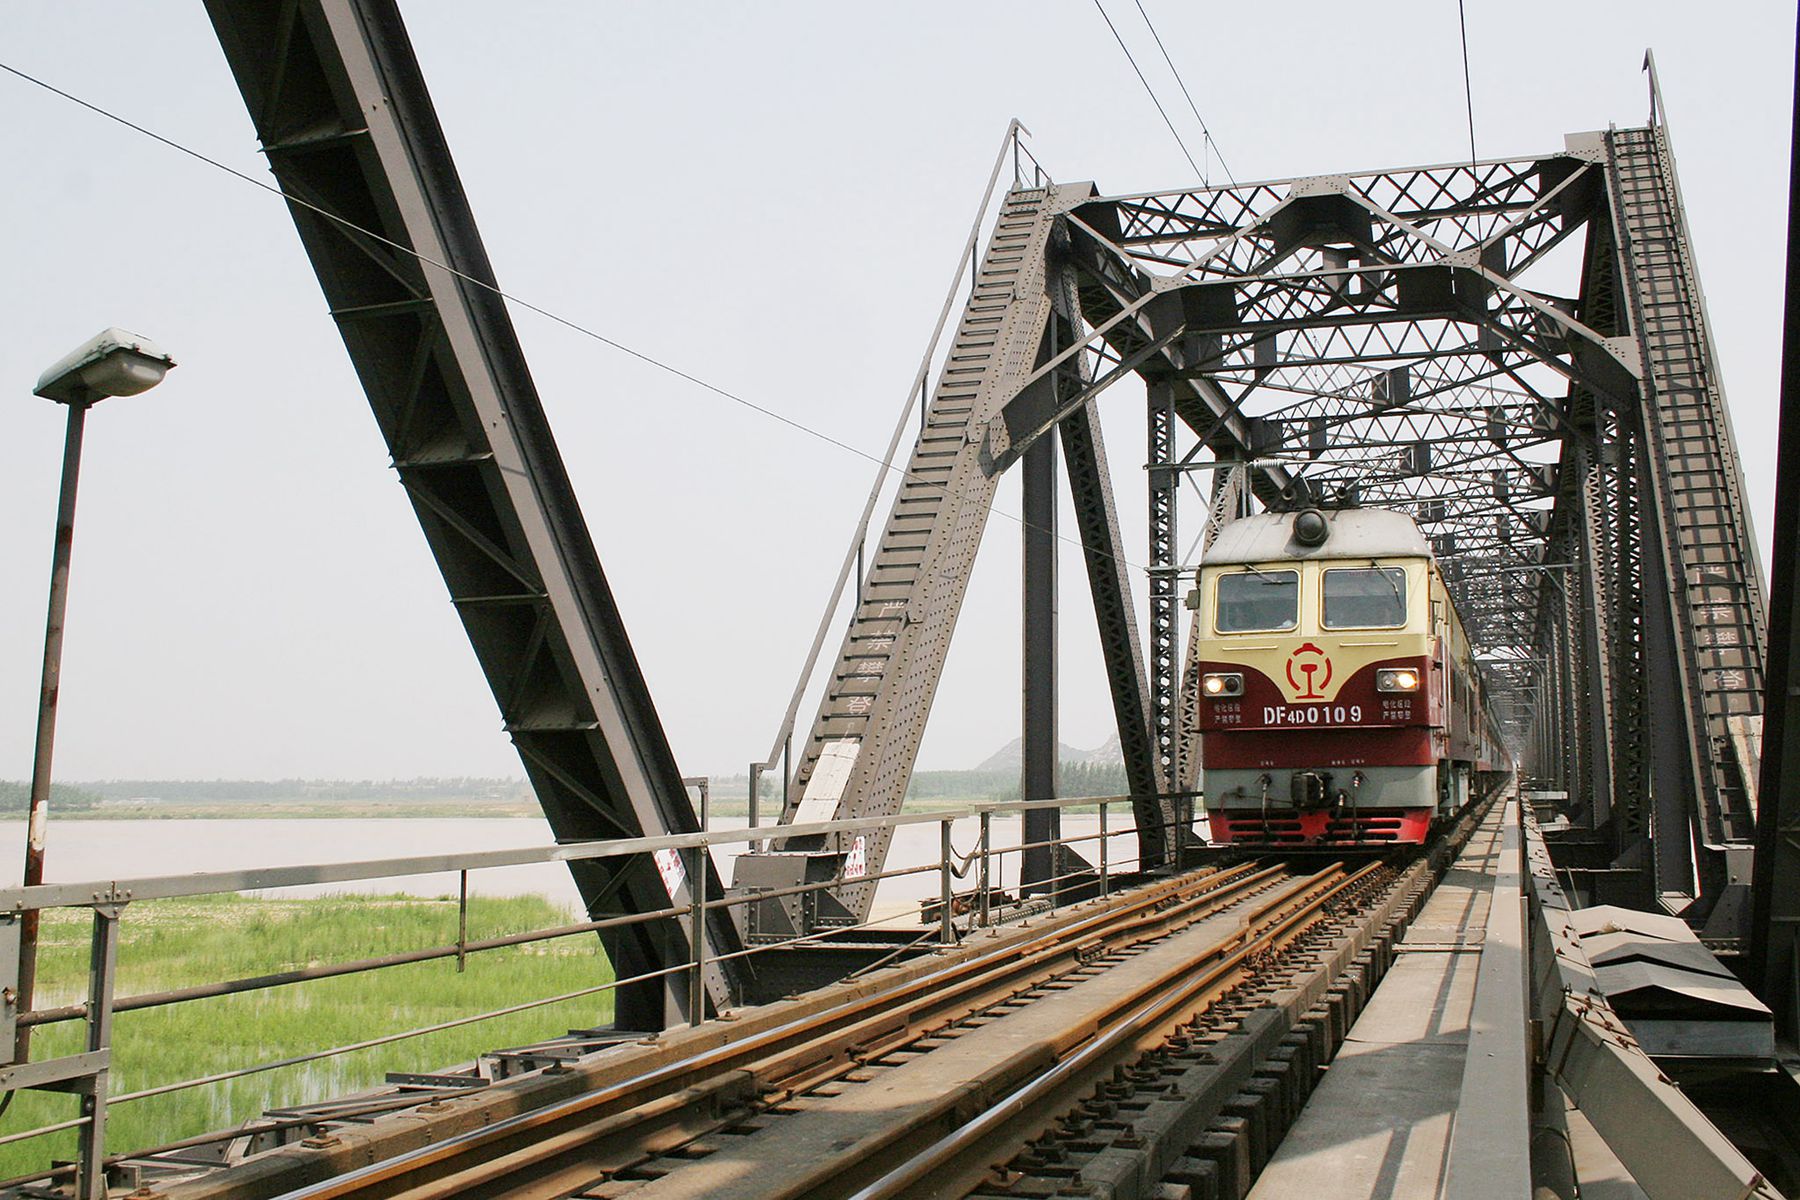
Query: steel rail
x=1056 y=1089
x=535 y=1171
x=561 y=1179
x=562 y=1161
x=798 y=1052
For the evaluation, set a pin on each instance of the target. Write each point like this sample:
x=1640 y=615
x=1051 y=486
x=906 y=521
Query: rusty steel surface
x=786 y=1041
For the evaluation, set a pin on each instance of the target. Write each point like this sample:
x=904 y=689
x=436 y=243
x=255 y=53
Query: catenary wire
x=1150 y=90
x=1462 y=22
x=1205 y=132
x=550 y=315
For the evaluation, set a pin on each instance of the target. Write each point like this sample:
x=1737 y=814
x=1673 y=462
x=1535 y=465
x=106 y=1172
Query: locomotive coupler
x=1310 y=790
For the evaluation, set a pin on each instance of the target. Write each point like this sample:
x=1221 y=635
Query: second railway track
x=1161 y=1038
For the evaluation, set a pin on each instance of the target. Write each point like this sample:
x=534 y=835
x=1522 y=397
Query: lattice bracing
x=1515 y=352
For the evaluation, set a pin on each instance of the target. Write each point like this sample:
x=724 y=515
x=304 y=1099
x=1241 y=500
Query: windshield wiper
x=1392 y=586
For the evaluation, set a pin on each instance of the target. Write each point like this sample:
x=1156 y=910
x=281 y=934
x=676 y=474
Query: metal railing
x=86 y=1073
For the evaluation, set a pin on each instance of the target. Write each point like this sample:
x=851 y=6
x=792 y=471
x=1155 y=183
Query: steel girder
x=1775 y=920
x=1109 y=583
x=345 y=119
x=1516 y=352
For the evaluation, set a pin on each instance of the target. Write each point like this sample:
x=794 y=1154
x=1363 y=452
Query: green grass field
x=175 y=943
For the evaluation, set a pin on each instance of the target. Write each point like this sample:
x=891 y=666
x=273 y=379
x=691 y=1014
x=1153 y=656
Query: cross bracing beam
x=338 y=100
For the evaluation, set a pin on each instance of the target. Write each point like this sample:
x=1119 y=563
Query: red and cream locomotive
x=1339 y=701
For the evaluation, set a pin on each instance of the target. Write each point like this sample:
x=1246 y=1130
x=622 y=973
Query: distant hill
x=1007 y=757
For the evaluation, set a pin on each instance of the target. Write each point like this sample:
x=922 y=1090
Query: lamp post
x=115 y=363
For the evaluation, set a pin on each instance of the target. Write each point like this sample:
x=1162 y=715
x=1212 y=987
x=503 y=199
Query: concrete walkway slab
x=1379 y=1124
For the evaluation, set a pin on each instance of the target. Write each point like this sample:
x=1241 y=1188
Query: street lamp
x=115 y=363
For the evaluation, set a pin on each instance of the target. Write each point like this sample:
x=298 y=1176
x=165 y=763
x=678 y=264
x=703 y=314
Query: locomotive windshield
x=1252 y=601
x=1364 y=598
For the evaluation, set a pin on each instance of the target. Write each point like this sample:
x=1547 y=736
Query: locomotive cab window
x=1364 y=598
x=1255 y=601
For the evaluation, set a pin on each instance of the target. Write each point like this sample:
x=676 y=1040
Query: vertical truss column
x=1164 y=584
x=1038 y=745
x=1591 y=591
x=1109 y=580
x=1229 y=493
x=1584 y=803
x=345 y=119
x=1621 y=545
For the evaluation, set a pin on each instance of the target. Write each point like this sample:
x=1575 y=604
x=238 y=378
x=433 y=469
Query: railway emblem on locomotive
x=1314 y=665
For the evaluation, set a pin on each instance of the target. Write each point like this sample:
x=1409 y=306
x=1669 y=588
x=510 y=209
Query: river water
x=98 y=850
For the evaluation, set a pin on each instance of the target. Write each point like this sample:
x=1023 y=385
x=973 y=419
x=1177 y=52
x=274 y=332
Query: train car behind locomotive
x=1340 y=703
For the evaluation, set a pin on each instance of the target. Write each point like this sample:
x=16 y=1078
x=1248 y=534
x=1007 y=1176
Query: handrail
x=161 y=887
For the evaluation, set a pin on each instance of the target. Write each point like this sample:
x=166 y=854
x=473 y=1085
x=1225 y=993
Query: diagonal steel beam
x=347 y=123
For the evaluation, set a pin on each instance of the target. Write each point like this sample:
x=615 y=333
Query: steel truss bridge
x=1516 y=352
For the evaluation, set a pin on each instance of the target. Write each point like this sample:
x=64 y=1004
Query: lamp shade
x=113 y=363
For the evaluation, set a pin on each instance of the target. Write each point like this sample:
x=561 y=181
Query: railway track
x=1160 y=1039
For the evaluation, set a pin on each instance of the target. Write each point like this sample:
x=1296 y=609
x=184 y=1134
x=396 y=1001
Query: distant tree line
x=1078 y=779
x=216 y=791
x=15 y=797
x=962 y=785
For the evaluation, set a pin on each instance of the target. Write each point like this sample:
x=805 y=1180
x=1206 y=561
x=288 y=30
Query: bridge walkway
x=1381 y=1121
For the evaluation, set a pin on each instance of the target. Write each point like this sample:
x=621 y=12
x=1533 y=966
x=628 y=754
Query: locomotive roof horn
x=1310 y=527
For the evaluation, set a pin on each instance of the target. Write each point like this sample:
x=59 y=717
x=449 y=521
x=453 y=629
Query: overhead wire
x=1205 y=132
x=549 y=314
x=1176 y=133
x=1462 y=22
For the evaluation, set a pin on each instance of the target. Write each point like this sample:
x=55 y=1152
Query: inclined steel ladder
x=859 y=756
x=1714 y=581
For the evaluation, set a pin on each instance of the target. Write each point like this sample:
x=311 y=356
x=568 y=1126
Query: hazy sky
x=770 y=196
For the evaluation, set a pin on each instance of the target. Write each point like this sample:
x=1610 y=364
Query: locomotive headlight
x=1396 y=679
x=1228 y=684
